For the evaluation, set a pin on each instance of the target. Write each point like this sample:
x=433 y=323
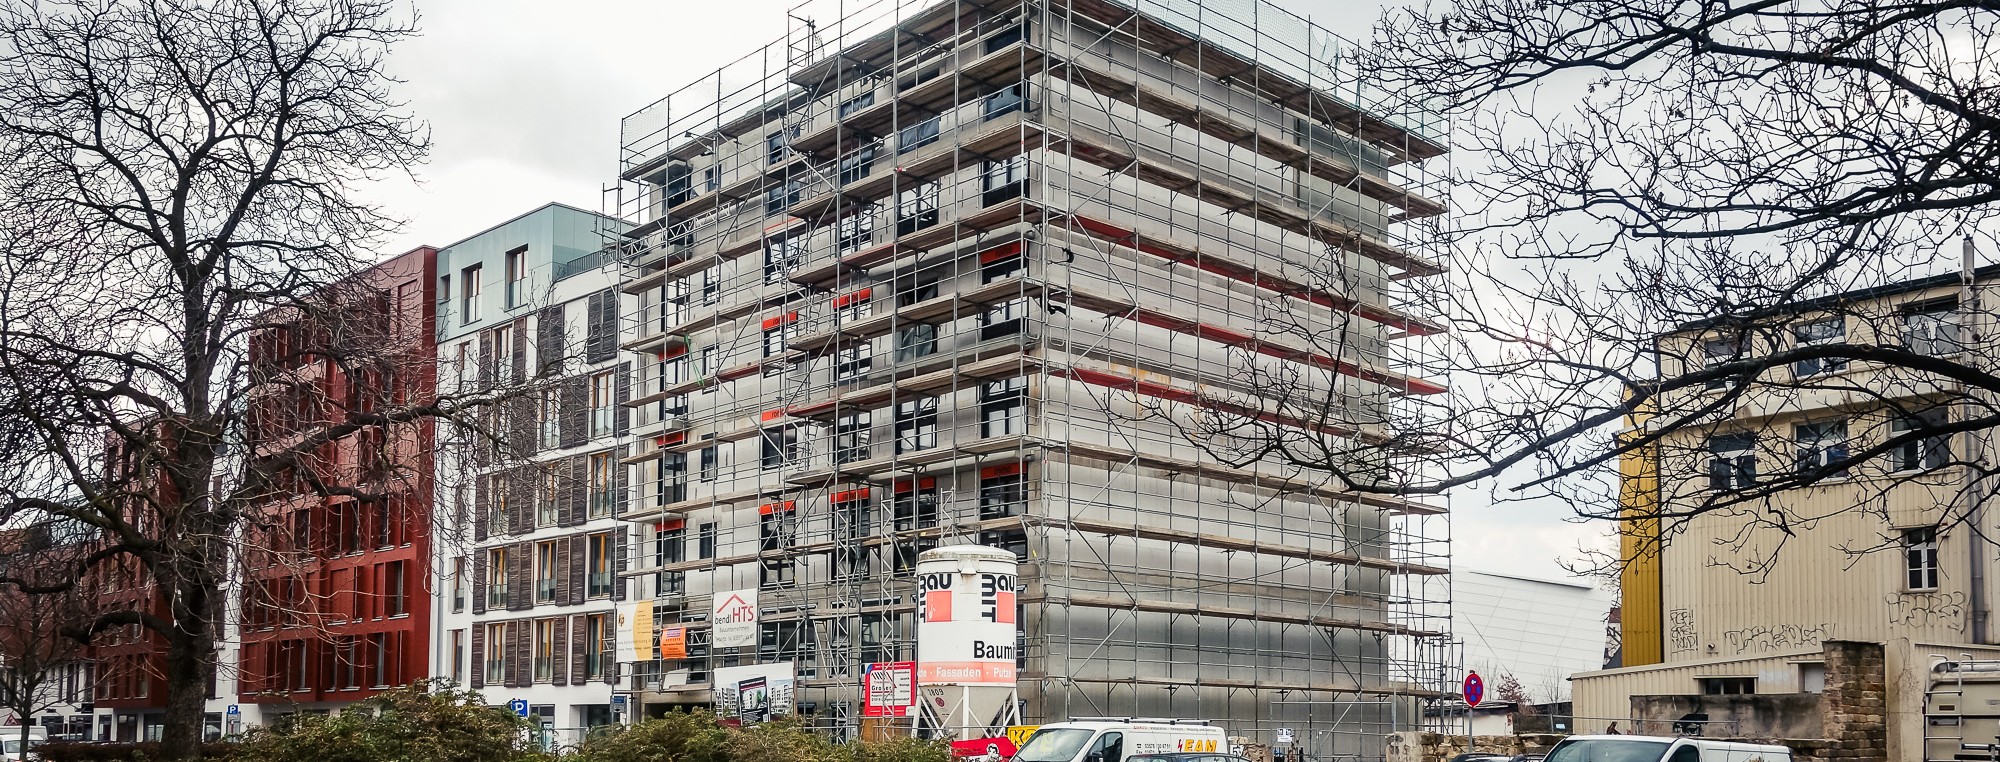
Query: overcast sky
x=523 y=98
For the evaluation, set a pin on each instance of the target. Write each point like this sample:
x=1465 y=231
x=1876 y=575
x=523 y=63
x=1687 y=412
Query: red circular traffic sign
x=1474 y=689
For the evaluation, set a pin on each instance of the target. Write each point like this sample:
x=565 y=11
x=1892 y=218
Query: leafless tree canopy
x=172 y=171
x=1659 y=201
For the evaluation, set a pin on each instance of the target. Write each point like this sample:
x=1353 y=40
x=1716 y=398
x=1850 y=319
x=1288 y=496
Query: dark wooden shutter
x=550 y=345
x=565 y=562
x=481 y=505
x=575 y=410
x=522 y=501
x=579 y=554
x=519 y=412
x=623 y=383
x=600 y=341
x=510 y=655
x=478 y=665
x=579 y=487
x=559 y=656
x=485 y=358
x=478 y=581
x=520 y=350
x=569 y=510
x=579 y=649
x=618 y=481
x=618 y=559
x=524 y=652
x=521 y=576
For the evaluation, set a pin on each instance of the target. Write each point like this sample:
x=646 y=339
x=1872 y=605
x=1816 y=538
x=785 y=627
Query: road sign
x=233 y=709
x=519 y=707
x=1474 y=690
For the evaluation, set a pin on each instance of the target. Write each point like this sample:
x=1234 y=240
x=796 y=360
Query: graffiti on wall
x=1779 y=637
x=1680 y=631
x=1927 y=610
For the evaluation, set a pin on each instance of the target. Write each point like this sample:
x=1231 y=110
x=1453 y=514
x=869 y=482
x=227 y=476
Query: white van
x=10 y=740
x=1117 y=740
x=1662 y=749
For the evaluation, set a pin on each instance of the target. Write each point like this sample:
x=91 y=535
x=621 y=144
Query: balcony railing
x=496 y=595
x=545 y=591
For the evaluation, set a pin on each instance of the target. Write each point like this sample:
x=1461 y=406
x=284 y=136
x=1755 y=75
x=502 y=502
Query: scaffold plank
x=1274 y=482
x=1201 y=608
x=1228 y=543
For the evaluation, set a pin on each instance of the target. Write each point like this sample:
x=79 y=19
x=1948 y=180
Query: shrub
x=698 y=737
x=413 y=724
x=902 y=749
x=62 y=751
x=677 y=737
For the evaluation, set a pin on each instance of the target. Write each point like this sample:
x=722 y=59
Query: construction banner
x=673 y=643
x=733 y=621
x=635 y=632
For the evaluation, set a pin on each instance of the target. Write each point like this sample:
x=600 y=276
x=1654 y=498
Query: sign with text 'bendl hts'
x=733 y=622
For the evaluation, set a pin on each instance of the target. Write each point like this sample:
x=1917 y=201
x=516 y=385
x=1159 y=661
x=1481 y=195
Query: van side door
x=1685 y=754
x=1109 y=747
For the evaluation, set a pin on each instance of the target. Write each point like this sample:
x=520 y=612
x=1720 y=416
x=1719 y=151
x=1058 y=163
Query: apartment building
x=1803 y=601
x=528 y=316
x=331 y=602
x=985 y=271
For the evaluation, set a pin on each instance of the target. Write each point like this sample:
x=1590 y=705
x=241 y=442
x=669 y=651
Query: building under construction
x=1026 y=273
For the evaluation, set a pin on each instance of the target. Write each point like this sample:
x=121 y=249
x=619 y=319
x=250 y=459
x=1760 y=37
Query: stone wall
x=1855 y=703
x=1436 y=747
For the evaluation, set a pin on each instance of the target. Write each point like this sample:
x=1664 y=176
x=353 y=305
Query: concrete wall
x=1772 y=715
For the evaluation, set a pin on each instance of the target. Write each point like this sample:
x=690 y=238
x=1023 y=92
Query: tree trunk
x=190 y=664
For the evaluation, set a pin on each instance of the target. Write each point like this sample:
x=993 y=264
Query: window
x=1002 y=493
x=1732 y=461
x=711 y=286
x=774 y=340
x=396 y=595
x=921 y=339
x=711 y=177
x=781 y=196
x=603 y=403
x=711 y=463
x=496 y=653
x=1920 y=558
x=1727 y=686
x=779 y=447
x=550 y=412
x=517 y=277
x=705 y=541
x=669 y=547
x=856 y=103
x=916 y=136
x=851 y=363
x=1003 y=179
x=458 y=584
x=1010 y=98
x=599 y=649
x=857 y=165
x=1715 y=352
x=1003 y=38
x=1110 y=746
x=602 y=483
x=705 y=366
x=850 y=437
x=496 y=578
x=916 y=425
x=457 y=671
x=468 y=295
x=1003 y=407
x=546 y=572
x=774 y=527
x=774 y=146
x=917 y=208
x=1820 y=444
x=1932 y=328
x=916 y=505
x=503 y=353
x=598 y=574
x=782 y=256
x=1819 y=333
x=1923 y=454
x=545 y=650
x=854 y=231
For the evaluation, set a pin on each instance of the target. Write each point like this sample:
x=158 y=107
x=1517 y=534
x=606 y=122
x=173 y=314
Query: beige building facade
x=1798 y=502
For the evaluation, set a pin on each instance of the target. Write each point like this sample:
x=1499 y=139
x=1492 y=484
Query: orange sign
x=674 y=643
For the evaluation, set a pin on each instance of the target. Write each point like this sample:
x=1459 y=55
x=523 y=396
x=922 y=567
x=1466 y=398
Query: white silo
x=968 y=638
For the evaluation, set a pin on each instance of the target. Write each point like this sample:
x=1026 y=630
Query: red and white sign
x=890 y=689
x=733 y=621
x=997 y=746
x=966 y=633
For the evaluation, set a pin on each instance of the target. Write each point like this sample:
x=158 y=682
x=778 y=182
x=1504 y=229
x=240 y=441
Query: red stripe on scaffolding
x=1233 y=271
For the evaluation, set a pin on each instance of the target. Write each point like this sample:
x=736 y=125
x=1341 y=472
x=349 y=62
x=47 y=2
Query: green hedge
x=62 y=751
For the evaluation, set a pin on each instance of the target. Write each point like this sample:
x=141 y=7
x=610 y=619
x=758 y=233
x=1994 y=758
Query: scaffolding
x=1004 y=271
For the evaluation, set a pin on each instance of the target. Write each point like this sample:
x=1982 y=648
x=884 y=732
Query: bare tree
x=39 y=631
x=174 y=172
x=1673 y=212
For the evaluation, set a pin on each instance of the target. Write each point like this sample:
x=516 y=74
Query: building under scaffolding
x=1007 y=272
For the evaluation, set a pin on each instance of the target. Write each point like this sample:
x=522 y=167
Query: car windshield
x=1053 y=745
x=1607 y=750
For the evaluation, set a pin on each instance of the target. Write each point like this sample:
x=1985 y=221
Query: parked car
x=10 y=743
x=1662 y=749
x=1186 y=757
x=1480 y=756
